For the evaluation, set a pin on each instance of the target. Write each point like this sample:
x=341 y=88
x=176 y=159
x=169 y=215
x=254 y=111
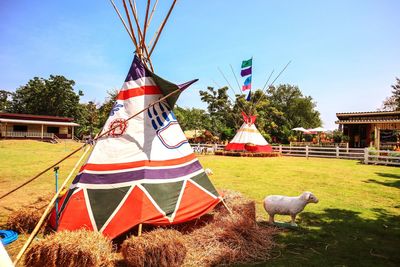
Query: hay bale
x=161 y=247
x=71 y=248
x=230 y=238
x=25 y=219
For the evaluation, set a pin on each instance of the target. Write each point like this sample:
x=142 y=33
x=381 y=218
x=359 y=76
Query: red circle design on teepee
x=118 y=127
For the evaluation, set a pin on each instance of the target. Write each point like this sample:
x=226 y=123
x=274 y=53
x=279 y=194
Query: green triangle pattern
x=203 y=180
x=165 y=195
x=104 y=201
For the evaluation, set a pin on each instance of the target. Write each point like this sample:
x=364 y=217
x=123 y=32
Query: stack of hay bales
x=75 y=248
x=230 y=238
x=25 y=219
x=158 y=248
x=219 y=237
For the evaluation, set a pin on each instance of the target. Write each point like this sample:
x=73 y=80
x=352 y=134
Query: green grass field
x=356 y=222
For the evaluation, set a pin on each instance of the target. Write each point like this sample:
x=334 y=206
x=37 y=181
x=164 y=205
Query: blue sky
x=345 y=54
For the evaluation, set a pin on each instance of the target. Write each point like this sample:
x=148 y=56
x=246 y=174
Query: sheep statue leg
x=271 y=218
x=293 y=222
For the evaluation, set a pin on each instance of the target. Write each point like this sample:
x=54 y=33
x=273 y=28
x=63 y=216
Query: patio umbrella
x=318 y=129
x=300 y=129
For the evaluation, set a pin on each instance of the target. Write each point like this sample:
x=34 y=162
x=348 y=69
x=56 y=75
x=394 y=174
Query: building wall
x=63 y=130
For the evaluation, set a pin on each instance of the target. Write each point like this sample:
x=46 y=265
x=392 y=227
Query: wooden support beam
x=162 y=27
x=126 y=27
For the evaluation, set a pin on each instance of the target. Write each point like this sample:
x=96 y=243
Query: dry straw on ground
x=230 y=238
x=75 y=248
x=25 y=219
x=158 y=248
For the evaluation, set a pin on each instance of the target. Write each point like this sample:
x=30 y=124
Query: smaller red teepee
x=248 y=138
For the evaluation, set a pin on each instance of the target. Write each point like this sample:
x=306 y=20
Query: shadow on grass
x=339 y=237
x=388 y=175
x=393 y=182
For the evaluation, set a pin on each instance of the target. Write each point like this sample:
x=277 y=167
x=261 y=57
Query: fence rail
x=365 y=155
x=26 y=134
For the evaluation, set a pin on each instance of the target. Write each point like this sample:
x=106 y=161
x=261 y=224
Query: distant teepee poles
x=138 y=36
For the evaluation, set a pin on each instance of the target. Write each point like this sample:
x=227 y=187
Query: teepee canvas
x=248 y=138
x=143 y=170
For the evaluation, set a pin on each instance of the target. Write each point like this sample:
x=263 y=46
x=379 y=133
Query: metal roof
x=56 y=123
x=397 y=112
x=367 y=121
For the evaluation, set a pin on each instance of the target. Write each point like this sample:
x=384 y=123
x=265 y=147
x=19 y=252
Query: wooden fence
x=365 y=155
x=26 y=134
x=321 y=152
x=385 y=157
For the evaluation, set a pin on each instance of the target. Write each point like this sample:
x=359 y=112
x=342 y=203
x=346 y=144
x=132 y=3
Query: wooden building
x=26 y=126
x=380 y=129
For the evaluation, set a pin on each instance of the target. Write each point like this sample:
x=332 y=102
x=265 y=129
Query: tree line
x=278 y=109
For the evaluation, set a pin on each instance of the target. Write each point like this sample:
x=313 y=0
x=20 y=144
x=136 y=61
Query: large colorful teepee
x=143 y=171
x=248 y=138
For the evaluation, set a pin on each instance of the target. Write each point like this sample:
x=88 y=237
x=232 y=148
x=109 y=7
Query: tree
x=106 y=107
x=5 y=100
x=54 y=96
x=192 y=118
x=220 y=111
x=393 y=102
x=296 y=109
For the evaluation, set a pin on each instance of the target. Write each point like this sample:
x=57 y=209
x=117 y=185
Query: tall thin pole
x=162 y=27
x=130 y=25
x=276 y=79
x=136 y=17
x=126 y=27
x=152 y=13
x=264 y=87
x=237 y=82
x=223 y=75
x=145 y=24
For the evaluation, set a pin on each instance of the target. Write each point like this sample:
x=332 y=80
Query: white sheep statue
x=283 y=205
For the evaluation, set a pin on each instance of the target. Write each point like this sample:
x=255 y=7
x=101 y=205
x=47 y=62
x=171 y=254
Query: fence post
x=307 y=151
x=337 y=151
x=280 y=149
x=347 y=147
x=366 y=155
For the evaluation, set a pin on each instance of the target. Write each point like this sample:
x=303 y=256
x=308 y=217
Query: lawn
x=356 y=222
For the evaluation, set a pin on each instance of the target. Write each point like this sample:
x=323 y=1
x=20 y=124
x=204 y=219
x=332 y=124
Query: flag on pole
x=245 y=72
x=247 y=84
x=247 y=63
x=248 y=98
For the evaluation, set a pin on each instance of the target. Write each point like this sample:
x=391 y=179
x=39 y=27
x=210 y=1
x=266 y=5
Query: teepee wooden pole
x=48 y=209
x=130 y=26
x=135 y=16
x=140 y=230
x=145 y=24
x=162 y=27
x=126 y=27
x=152 y=13
x=226 y=206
